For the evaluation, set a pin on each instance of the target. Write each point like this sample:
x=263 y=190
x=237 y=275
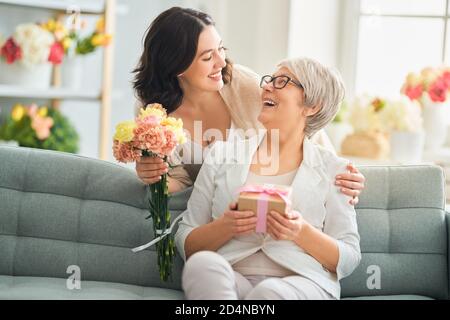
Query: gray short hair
x=322 y=86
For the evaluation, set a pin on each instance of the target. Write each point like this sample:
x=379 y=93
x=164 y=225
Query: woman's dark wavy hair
x=170 y=46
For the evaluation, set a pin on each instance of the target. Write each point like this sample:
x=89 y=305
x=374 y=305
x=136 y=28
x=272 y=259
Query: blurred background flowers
x=39 y=127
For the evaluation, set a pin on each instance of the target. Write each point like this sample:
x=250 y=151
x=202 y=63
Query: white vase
x=435 y=124
x=407 y=147
x=72 y=72
x=38 y=76
x=337 y=133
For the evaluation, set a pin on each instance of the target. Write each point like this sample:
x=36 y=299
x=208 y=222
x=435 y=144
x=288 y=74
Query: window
x=395 y=37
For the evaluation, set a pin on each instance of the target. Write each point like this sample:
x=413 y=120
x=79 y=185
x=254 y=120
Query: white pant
x=208 y=276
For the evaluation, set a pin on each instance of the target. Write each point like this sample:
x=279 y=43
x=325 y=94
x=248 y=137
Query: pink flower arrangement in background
x=431 y=82
x=153 y=134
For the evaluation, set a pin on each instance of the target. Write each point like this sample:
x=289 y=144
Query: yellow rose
x=43 y=112
x=100 y=25
x=50 y=25
x=172 y=122
x=17 y=112
x=67 y=42
x=101 y=40
x=124 y=131
x=154 y=109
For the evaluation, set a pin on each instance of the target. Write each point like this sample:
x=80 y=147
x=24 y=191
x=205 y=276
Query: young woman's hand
x=351 y=183
x=238 y=223
x=285 y=226
x=150 y=169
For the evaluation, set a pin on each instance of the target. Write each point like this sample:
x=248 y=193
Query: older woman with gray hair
x=308 y=248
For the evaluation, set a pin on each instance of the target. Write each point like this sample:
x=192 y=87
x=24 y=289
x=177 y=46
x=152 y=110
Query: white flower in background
x=35 y=43
x=364 y=114
x=402 y=114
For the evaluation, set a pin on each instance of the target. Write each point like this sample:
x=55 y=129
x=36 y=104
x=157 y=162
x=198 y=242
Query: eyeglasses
x=279 y=82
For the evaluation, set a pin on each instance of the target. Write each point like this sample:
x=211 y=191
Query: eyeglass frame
x=272 y=79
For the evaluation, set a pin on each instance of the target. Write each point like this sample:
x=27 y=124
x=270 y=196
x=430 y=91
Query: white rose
x=35 y=43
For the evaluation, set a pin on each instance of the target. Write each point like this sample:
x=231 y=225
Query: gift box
x=262 y=199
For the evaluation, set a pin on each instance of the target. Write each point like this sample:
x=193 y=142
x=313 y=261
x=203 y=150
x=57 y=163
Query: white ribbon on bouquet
x=158 y=232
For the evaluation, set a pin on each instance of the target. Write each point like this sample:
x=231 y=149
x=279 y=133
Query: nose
x=220 y=61
x=268 y=86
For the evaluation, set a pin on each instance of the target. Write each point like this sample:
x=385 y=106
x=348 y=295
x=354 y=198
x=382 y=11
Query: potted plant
x=27 y=56
x=39 y=127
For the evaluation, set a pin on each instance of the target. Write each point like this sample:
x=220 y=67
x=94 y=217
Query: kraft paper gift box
x=263 y=198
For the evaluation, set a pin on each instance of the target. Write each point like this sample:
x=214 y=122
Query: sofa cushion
x=30 y=288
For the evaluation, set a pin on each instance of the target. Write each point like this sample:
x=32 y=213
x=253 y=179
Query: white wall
x=255 y=31
x=315 y=30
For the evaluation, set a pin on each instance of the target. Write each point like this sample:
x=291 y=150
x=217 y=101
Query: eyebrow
x=210 y=50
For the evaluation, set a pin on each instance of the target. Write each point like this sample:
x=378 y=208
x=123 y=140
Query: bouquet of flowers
x=39 y=127
x=430 y=83
x=153 y=134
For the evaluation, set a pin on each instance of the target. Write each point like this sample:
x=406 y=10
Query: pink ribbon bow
x=265 y=192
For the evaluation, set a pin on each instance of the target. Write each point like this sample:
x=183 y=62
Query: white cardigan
x=315 y=196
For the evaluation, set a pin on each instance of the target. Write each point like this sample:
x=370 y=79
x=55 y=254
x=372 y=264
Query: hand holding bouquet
x=153 y=134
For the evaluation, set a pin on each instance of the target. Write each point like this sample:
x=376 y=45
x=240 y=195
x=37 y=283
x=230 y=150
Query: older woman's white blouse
x=314 y=195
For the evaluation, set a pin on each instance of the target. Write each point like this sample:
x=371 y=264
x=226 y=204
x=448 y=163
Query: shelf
x=51 y=93
x=85 y=6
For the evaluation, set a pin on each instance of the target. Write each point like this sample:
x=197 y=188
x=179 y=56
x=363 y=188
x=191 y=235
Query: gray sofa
x=59 y=210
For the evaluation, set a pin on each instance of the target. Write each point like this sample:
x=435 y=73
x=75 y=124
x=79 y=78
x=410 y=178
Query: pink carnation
x=446 y=78
x=56 y=53
x=414 y=92
x=171 y=142
x=150 y=120
x=438 y=90
x=124 y=152
x=148 y=137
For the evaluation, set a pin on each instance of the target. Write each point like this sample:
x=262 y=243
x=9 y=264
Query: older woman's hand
x=351 y=183
x=238 y=223
x=285 y=226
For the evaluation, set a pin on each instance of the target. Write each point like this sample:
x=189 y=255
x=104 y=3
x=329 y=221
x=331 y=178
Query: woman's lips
x=216 y=76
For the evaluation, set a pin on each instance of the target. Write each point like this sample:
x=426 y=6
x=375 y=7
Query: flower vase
x=407 y=147
x=435 y=123
x=38 y=76
x=72 y=72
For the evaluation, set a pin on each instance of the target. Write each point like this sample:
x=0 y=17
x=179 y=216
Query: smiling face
x=284 y=109
x=205 y=71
